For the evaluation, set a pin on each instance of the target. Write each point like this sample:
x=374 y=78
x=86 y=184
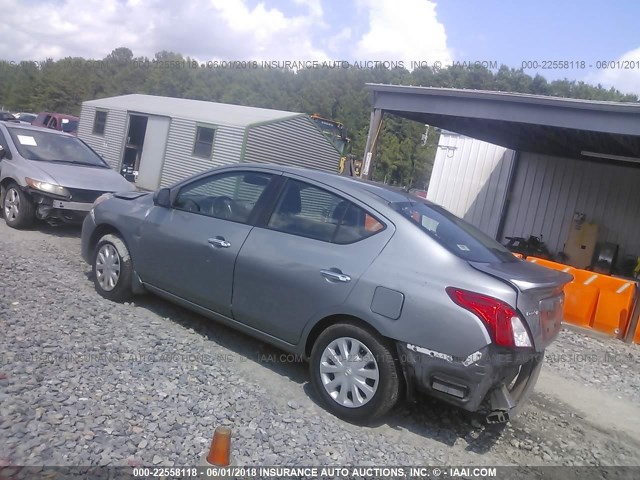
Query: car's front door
x=305 y=261
x=190 y=250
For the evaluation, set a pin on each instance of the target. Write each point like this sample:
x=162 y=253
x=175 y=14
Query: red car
x=57 y=121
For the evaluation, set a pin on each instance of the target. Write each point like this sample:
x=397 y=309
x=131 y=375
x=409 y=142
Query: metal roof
x=532 y=123
x=507 y=97
x=198 y=110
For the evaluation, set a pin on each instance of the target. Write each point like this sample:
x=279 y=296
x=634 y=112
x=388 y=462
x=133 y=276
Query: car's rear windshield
x=453 y=233
x=47 y=146
x=26 y=117
x=69 y=125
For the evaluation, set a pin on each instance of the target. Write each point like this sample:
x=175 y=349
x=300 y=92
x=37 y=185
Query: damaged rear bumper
x=477 y=383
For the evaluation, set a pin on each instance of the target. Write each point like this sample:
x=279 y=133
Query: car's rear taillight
x=503 y=322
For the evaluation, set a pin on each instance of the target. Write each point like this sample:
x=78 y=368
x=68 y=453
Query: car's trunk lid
x=540 y=295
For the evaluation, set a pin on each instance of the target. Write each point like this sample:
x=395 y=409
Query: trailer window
x=203 y=146
x=99 y=122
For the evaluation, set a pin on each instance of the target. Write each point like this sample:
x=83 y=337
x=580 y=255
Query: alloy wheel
x=12 y=204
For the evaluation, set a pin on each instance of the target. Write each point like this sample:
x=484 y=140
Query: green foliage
x=402 y=158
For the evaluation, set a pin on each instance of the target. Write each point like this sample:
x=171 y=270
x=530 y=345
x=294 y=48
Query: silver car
x=383 y=292
x=50 y=176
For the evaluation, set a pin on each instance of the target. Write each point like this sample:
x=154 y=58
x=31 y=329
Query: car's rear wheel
x=112 y=269
x=355 y=373
x=17 y=207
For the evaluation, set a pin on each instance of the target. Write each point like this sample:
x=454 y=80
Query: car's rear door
x=304 y=260
x=190 y=250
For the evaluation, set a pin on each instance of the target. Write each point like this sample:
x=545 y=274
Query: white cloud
x=314 y=6
x=407 y=31
x=625 y=76
x=335 y=43
x=205 y=29
x=222 y=30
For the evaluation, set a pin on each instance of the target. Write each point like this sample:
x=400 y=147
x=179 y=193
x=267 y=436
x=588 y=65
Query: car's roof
x=349 y=185
x=26 y=126
x=63 y=115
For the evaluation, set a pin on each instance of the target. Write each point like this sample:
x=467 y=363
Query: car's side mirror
x=162 y=198
x=3 y=152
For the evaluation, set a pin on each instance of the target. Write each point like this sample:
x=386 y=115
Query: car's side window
x=312 y=212
x=230 y=196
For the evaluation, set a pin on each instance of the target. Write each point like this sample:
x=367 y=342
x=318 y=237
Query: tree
x=336 y=93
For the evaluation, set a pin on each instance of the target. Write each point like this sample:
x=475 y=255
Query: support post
x=374 y=129
x=635 y=316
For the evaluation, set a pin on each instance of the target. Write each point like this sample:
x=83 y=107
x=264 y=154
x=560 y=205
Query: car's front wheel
x=17 y=207
x=112 y=269
x=355 y=373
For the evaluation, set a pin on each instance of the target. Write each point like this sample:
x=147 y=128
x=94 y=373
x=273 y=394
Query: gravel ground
x=601 y=363
x=84 y=381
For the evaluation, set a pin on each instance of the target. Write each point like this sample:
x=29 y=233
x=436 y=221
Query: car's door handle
x=336 y=276
x=219 y=242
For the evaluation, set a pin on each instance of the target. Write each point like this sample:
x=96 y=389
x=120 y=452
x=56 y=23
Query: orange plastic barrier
x=519 y=255
x=597 y=301
x=580 y=304
x=636 y=337
x=614 y=305
x=548 y=263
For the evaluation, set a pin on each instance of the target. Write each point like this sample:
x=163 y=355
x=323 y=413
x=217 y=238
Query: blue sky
x=511 y=32
x=508 y=32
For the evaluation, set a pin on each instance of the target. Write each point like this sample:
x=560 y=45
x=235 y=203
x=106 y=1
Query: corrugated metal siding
x=295 y=142
x=548 y=190
x=108 y=145
x=179 y=162
x=470 y=179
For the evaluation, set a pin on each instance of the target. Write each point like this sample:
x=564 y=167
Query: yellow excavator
x=336 y=134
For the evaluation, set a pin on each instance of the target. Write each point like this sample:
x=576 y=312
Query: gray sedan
x=50 y=176
x=384 y=292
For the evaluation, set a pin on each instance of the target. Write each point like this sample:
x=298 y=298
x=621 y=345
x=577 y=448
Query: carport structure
x=555 y=157
x=567 y=155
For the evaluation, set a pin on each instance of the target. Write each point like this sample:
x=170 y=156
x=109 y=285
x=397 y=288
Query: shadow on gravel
x=250 y=349
x=63 y=231
x=427 y=417
x=441 y=422
x=438 y=421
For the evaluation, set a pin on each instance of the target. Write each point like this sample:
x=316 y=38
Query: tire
x=112 y=269
x=362 y=404
x=17 y=208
